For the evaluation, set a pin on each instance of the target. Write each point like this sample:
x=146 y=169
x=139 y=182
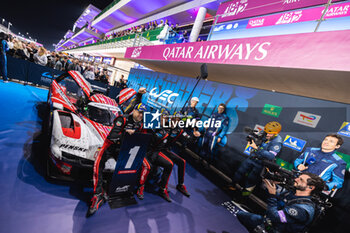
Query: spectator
x=58 y=64
x=70 y=65
x=51 y=60
x=104 y=76
x=40 y=57
x=155 y=24
x=97 y=74
x=161 y=24
x=122 y=83
x=89 y=74
x=77 y=66
x=3 y=59
x=176 y=28
x=10 y=45
x=26 y=51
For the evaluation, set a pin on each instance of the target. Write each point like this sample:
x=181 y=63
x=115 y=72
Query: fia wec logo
x=166 y=95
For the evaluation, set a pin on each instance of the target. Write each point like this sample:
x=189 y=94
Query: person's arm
x=116 y=133
x=335 y=176
x=224 y=128
x=300 y=160
x=270 y=154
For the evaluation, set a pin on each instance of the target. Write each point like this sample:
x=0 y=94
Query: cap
x=195 y=99
x=141 y=107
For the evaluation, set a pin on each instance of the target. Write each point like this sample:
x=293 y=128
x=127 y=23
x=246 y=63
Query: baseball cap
x=195 y=99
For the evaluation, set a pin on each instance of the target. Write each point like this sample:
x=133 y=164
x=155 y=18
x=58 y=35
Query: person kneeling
x=288 y=211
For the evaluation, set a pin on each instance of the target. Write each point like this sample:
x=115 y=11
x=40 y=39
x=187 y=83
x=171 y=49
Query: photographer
x=324 y=162
x=271 y=144
x=287 y=211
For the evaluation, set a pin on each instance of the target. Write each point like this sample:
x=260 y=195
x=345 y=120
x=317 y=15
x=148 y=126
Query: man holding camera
x=270 y=146
x=324 y=162
x=288 y=211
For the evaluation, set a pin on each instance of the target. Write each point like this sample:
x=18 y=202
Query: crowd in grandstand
x=31 y=52
x=171 y=31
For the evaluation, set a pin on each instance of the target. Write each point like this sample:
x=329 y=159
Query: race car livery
x=80 y=121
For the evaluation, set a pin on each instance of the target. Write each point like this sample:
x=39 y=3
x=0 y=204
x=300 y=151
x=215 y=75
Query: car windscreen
x=72 y=89
x=102 y=116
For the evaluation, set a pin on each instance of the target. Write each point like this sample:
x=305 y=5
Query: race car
x=80 y=121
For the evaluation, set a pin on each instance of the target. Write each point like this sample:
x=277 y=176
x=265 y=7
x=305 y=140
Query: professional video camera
x=254 y=136
x=285 y=178
x=273 y=171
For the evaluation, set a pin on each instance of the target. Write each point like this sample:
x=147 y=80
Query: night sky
x=45 y=20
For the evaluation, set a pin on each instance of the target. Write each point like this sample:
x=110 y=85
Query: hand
x=142 y=90
x=253 y=145
x=130 y=131
x=196 y=134
x=302 y=167
x=271 y=187
x=219 y=140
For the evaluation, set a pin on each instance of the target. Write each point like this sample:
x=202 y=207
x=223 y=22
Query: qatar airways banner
x=334 y=11
x=239 y=9
x=306 y=50
x=338 y=10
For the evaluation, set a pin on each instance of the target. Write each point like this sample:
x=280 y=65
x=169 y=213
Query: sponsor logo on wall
x=247 y=150
x=345 y=129
x=307 y=119
x=294 y=143
x=161 y=99
x=137 y=52
x=272 y=110
x=259 y=127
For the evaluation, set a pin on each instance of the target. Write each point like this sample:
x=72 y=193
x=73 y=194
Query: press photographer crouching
x=265 y=146
x=288 y=211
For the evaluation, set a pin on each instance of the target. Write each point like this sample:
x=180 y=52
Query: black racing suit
x=174 y=135
x=155 y=157
x=111 y=146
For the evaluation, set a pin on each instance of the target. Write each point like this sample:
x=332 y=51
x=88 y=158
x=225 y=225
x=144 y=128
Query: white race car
x=79 y=123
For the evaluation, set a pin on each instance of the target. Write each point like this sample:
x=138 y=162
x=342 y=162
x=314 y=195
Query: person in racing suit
x=122 y=124
x=155 y=157
x=324 y=162
x=213 y=136
x=271 y=146
x=190 y=112
x=287 y=212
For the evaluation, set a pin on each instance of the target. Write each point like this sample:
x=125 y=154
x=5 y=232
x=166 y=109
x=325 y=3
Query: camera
x=254 y=136
x=273 y=171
